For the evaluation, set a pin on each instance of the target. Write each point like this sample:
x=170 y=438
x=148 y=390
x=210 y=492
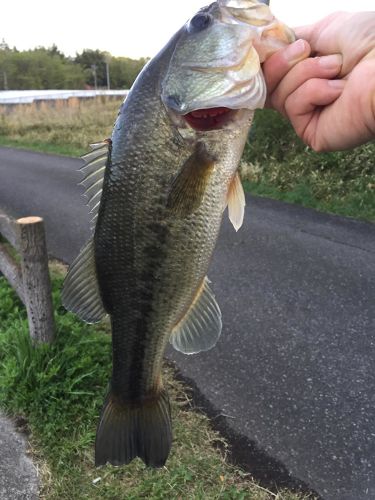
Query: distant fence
x=45 y=99
x=30 y=277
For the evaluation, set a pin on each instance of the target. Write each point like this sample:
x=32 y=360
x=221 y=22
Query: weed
x=277 y=164
x=60 y=388
x=66 y=130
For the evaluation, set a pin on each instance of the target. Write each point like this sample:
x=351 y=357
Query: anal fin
x=200 y=328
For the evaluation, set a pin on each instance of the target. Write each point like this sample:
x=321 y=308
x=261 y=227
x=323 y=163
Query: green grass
x=56 y=149
x=59 y=390
x=278 y=165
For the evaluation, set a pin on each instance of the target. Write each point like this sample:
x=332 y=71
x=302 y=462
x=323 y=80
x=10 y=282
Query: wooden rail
x=29 y=278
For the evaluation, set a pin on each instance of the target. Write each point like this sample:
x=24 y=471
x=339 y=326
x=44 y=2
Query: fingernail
x=331 y=62
x=337 y=84
x=296 y=50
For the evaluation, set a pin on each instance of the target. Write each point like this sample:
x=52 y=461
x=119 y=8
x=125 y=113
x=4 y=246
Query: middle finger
x=325 y=67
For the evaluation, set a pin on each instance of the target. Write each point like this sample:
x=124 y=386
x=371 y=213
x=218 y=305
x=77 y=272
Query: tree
x=4 y=46
x=90 y=59
x=54 y=51
x=124 y=71
x=48 y=68
x=39 y=69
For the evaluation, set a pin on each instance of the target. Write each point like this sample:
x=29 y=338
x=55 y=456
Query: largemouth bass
x=158 y=189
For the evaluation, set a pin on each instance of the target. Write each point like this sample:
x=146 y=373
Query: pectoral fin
x=236 y=202
x=189 y=186
x=200 y=328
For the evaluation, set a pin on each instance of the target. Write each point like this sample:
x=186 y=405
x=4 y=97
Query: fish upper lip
x=210 y=111
x=173 y=103
x=216 y=118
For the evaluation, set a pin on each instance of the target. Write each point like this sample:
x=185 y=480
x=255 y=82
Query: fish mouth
x=204 y=120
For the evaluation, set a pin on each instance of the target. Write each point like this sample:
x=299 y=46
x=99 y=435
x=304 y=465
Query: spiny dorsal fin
x=80 y=293
x=189 y=185
x=200 y=328
x=236 y=202
x=93 y=169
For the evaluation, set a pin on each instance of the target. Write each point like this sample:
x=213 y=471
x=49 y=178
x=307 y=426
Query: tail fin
x=137 y=430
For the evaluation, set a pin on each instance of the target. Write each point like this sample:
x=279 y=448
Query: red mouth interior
x=207 y=119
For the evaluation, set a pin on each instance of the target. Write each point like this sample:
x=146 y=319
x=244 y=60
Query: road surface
x=18 y=475
x=292 y=379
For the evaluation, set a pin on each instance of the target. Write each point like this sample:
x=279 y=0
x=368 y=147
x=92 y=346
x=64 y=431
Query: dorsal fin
x=93 y=169
x=200 y=328
x=236 y=202
x=80 y=292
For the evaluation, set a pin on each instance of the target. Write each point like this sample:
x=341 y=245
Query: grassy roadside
x=66 y=131
x=275 y=162
x=41 y=147
x=58 y=390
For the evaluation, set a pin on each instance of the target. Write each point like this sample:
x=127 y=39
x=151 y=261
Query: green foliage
x=124 y=71
x=93 y=61
x=60 y=388
x=48 y=68
x=39 y=69
x=47 y=381
x=278 y=164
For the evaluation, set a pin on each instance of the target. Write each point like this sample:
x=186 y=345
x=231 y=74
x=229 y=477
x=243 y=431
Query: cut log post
x=36 y=280
x=8 y=229
x=12 y=271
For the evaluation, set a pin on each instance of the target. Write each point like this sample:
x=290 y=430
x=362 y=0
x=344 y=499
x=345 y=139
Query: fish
x=157 y=190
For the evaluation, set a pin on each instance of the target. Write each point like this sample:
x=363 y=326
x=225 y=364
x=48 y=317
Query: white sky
x=132 y=28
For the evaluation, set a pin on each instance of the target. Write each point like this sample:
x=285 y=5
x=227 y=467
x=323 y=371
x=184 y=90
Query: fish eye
x=200 y=22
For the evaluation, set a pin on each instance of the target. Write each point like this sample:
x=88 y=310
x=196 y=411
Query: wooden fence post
x=12 y=271
x=35 y=276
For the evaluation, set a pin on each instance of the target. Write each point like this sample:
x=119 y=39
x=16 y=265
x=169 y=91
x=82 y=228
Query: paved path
x=18 y=476
x=292 y=380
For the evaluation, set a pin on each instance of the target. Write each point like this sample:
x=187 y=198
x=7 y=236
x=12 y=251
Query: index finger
x=304 y=31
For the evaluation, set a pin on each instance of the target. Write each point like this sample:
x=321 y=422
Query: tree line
x=48 y=68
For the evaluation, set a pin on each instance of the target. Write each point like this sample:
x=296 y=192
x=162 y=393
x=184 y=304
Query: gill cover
x=217 y=59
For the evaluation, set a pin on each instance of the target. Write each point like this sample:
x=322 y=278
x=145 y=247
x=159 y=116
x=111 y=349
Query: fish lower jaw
x=210 y=119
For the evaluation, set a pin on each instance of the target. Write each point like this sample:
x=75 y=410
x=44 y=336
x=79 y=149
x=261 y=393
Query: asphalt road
x=292 y=379
x=18 y=475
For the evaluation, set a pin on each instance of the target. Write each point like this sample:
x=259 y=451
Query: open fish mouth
x=209 y=119
x=215 y=70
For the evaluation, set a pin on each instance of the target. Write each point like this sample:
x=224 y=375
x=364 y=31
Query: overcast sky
x=132 y=28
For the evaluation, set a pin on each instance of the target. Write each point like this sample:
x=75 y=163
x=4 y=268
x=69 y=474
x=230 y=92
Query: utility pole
x=107 y=61
x=107 y=72
x=94 y=68
x=5 y=80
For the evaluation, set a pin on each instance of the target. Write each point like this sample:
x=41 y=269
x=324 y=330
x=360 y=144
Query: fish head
x=215 y=69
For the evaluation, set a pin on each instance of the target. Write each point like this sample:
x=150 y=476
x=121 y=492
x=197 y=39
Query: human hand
x=329 y=99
